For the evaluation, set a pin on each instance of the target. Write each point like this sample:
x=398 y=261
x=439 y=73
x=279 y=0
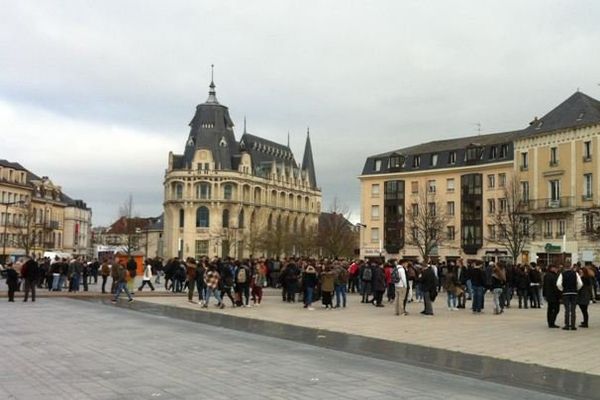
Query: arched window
x=178 y=191
x=225 y=218
x=270 y=221
x=202 y=217
x=203 y=191
x=227 y=192
x=241 y=219
x=181 y=218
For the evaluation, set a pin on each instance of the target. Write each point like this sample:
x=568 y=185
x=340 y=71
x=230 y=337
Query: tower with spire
x=219 y=183
x=308 y=163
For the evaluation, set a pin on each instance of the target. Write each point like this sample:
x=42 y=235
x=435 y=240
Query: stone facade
x=37 y=216
x=220 y=192
x=553 y=163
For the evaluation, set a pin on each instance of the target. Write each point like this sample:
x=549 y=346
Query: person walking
x=450 y=286
x=366 y=277
x=259 y=280
x=211 y=279
x=122 y=279
x=132 y=269
x=242 y=283
x=569 y=283
x=379 y=285
x=12 y=281
x=114 y=274
x=147 y=277
x=552 y=296
x=401 y=287
x=498 y=283
x=477 y=276
x=29 y=273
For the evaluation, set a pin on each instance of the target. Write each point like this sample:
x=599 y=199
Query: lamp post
x=6 y=205
x=360 y=227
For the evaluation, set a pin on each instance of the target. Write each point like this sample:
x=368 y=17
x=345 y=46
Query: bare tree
x=25 y=224
x=512 y=226
x=275 y=240
x=336 y=236
x=427 y=220
x=131 y=231
x=306 y=241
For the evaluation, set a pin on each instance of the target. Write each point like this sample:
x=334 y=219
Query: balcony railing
x=551 y=204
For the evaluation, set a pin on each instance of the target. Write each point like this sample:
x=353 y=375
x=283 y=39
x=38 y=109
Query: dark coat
x=378 y=280
x=428 y=280
x=550 y=291
x=478 y=277
x=584 y=296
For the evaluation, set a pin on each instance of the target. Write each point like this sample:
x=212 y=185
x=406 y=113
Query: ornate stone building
x=37 y=216
x=220 y=193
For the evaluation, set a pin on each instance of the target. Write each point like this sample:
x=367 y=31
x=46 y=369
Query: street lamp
x=360 y=236
x=6 y=205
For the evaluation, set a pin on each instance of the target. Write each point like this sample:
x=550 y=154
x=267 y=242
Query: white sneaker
x=310 y=309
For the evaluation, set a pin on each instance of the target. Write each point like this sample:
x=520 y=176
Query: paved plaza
x=70 y=349
x=518 y=334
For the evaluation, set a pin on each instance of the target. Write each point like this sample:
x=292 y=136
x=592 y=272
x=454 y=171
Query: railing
x=551 y=204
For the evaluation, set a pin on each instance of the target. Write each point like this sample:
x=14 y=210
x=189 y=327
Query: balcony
x=562 y=204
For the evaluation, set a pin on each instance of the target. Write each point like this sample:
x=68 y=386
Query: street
x=71 y=349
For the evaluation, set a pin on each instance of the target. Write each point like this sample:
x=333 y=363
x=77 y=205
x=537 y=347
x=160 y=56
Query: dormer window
x=434 y=160
x=416 y=161
x=493 y=152
x=472 y=154
x=223 y=142
x=396 y=161
x=539 y=125
x=452 y=158
x=377 y=165
x=504 y=151
x=580 y=117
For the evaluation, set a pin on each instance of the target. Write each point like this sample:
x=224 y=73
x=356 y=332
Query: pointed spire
x=212 y=94
x=288 y=139
x=245 y=125
x=308 y=164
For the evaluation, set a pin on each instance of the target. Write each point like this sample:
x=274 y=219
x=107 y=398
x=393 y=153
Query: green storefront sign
x=550 y=248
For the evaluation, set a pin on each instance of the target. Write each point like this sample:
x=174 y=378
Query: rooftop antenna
x=478 y=125
x=212 y=73
x=288 y=139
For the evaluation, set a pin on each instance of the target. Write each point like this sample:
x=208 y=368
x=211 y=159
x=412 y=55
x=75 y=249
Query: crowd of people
x=307 y=281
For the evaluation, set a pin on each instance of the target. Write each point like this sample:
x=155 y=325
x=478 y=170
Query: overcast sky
x=94 y=94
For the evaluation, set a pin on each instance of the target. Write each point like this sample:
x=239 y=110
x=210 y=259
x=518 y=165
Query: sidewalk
x=517 y=335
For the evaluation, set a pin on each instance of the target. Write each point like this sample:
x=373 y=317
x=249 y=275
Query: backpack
x=395 y=275
x=367 y=274
x=241 y=276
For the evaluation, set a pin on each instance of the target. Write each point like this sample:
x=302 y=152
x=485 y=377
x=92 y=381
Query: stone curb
x=535 y=377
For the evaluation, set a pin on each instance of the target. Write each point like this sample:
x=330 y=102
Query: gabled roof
x=578 y=110
x=126 y=225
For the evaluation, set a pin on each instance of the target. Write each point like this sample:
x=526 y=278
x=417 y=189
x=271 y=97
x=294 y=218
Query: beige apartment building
x=468 y=178
x=221 y=193
x=35 y=213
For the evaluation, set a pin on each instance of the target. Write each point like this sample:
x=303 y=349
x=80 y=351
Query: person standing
x=401 y=285
x=242 y=283
x=190 y=275
x=12 y=281
x=147 y=277
x=327 y=286
x=569 y=283
x=429 y=288
x=309 y=281
x=498 y=283
x=585 y=294
x=104 y=272
x=259 y=280
x=478 y=279
x=132 y=269
x=341 y=284
x=114 y=274
x=379 y=285
x=29 y=273
x=366 y=277
x=552 y=296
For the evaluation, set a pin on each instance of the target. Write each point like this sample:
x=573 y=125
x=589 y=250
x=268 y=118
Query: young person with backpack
x=401 y=285
x=366 y=277
x=242 y=283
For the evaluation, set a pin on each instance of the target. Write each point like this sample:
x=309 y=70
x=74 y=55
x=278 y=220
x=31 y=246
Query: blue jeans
x=340 y=290
x=308 y=296
x=477 y=298
x=451 y=300
x=122 y=286
x=61 y=281
x=75 y=282
x=497 y=297
x=213 y=292
x=470 y=288
x=55 y=282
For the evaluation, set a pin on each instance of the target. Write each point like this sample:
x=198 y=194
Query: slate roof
x=443 y=148
x=308 y=164
x=577 y=111
x=211 y=128
x=13 y=165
